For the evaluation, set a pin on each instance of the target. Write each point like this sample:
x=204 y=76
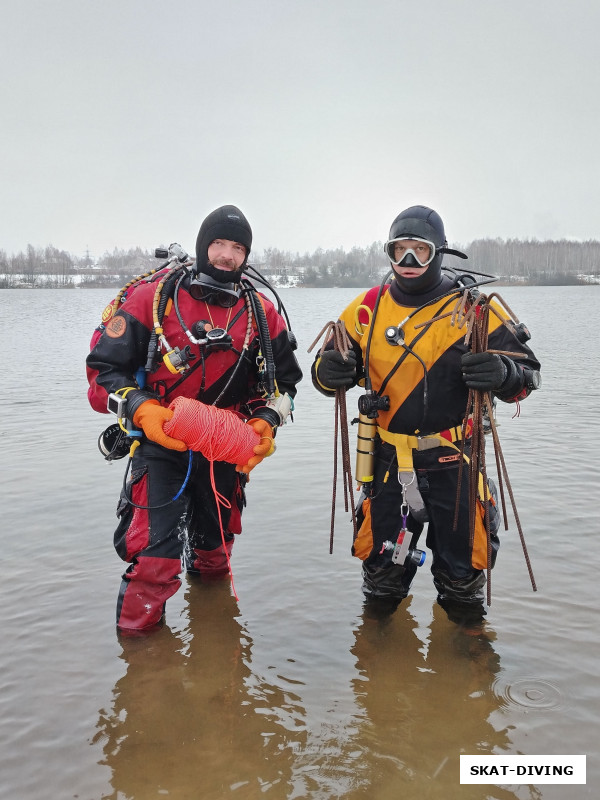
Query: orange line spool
x=219 y=434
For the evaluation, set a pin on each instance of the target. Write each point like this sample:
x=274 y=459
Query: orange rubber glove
x=151 y=417
x=264 y=448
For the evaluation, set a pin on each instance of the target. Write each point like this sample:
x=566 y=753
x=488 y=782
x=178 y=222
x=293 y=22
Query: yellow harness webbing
x=405 y=444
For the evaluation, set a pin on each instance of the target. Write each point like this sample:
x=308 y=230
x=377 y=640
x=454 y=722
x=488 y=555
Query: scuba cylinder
x=369 y=405
x=365 y=449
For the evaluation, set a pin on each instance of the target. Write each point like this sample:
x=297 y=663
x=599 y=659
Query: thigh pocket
x=238 y=501
x=132 y=534
x=363 y=543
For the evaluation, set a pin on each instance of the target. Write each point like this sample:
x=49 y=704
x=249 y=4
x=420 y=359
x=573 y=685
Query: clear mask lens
x=423 y=251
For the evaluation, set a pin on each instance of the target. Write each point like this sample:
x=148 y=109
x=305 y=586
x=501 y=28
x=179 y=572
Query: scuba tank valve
x=174 y=252
x=370 y=404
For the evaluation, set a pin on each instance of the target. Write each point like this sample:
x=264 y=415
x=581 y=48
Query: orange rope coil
x=219 y=434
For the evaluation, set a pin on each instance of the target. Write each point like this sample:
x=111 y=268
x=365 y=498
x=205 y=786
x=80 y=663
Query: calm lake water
x=290 y=692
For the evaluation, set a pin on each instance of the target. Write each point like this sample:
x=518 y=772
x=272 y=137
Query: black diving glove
x=333 y=372
x=484 y=371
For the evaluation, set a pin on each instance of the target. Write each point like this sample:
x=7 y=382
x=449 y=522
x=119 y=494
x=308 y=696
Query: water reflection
x=427 y=700
x=188 y=718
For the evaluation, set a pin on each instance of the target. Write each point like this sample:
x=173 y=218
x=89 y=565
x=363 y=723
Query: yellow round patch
x=107 y=313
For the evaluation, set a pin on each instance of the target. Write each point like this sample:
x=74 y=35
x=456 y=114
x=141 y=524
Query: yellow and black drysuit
x=421 y=430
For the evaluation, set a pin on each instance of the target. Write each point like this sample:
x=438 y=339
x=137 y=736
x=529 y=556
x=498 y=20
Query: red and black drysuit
x=428 y=398
x=154 y=540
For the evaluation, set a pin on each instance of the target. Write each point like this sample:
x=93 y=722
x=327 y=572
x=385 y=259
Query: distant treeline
x=511 y=260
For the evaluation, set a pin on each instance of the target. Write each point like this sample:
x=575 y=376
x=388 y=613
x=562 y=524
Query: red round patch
x=116 y=327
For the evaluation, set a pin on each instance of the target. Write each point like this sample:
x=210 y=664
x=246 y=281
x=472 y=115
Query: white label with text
x=522 y=769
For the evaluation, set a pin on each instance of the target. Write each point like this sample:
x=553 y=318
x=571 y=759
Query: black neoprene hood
x=420 y=222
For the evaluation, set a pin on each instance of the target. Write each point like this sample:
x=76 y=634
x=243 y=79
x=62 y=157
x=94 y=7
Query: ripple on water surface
x=530 y=693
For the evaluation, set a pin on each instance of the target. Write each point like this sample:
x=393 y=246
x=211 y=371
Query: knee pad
x=390 y=580
x=465 y=590
x=462 y=599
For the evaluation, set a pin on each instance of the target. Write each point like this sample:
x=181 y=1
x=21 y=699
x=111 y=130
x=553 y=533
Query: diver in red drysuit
x=159 y=524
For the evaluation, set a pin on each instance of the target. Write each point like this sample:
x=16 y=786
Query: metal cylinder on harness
x=369 y=406
x=365 y=449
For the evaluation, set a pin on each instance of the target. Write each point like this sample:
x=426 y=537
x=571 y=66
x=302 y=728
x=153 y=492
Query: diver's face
x=226 y=255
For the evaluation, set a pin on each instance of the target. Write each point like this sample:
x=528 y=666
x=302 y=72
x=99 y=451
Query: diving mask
x=422 y=253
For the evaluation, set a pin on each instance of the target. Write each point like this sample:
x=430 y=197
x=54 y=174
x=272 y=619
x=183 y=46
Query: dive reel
x=114 y=443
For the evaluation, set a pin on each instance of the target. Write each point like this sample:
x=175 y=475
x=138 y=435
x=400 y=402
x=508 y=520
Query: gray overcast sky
x=126 y=121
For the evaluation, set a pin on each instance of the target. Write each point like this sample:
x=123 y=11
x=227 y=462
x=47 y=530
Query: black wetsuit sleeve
x=116 y=359
x=287 y=370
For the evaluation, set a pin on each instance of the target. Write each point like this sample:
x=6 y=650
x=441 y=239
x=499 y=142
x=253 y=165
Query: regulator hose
x=264 y=336
x=165 y=294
